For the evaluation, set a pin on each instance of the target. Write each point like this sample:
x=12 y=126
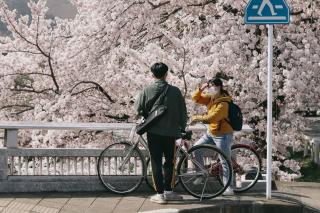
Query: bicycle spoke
x=193 y=176
x=204 y=186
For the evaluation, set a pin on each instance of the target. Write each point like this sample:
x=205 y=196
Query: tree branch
x=82 y=91
x=166 y=16
x=38 y=47
x=294 y=13
x=183 y=73
x=202 y=4
x=22 y=51
x=31 y=73
x=122 y=118
x=131 y=5
x=158 y=5
x=97 y=87
x=57 y=90
x=32 y=90
x=28 y=108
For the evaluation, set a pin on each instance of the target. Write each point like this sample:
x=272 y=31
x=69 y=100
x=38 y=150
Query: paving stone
x=81 y=201
x=288 y=196
x=44 y=209
x=15 y=207
x=107 y=204
x=56 y=200
x=74 y=209
x=5 y=201
x=51 y=204
x=129 y=203
x=28 y=200
x=100 y=210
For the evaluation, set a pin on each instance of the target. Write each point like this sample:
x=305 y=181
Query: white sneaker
x=198 y=181
x=158 y=198
x=172 y=196
x=228 y=192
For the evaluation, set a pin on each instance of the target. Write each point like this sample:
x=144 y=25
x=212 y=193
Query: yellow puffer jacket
x=217 y=112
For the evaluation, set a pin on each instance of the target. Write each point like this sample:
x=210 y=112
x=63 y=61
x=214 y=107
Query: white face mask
x=213 y=90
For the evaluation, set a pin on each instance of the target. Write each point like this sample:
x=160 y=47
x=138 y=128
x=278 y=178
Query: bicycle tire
x=248 y=167
x=130 y=176
x=212 y=165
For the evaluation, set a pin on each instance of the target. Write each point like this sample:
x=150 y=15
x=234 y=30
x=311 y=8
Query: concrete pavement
x=293 y=197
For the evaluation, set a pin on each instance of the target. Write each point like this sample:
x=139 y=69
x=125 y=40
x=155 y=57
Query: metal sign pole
x=277 y=12
x=269 y=119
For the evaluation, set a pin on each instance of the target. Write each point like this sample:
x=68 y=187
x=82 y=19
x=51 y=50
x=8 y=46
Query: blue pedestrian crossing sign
x=267 y=12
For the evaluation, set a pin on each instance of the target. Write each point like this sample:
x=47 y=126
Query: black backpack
x=235 y=116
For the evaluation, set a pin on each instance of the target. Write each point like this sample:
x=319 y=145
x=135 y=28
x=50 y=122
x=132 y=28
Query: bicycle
x=245 y=161
x=246 y=165
x=122 y=168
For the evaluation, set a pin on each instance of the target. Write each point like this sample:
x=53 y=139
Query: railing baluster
x=55 y=165
x=40 y=172
x=89 y=167
x=81 y=165
x=102 y=165
x=12 y=166
x=61 y=165
x=109 y=162
x=48 y=165
x=68 y=165
x=116 y=165
x=27 y=165
x=119 y=162
x=75 y=165
x=95 y=165
x=19 y=165
x=33 y=166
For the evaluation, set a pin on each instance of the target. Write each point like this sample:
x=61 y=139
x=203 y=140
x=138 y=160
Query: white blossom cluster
x=91 y=68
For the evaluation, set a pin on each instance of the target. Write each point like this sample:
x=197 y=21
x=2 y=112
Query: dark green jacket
x=175 y=118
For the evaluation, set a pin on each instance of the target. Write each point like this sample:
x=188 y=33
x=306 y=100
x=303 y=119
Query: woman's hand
x=194 y=119
x=202 y=86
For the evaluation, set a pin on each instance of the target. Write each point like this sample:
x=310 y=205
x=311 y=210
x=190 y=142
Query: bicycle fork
x=203 y=172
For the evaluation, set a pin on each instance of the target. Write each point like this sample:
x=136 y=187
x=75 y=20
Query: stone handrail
x=59 y=169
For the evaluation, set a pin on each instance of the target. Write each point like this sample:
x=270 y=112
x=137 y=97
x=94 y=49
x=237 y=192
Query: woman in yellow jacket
x=220 y=132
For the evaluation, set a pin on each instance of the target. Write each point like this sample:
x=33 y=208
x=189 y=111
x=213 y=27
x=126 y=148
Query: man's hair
x=159 y=69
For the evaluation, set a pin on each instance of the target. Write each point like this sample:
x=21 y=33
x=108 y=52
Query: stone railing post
x=3 y=164
x=11 y=138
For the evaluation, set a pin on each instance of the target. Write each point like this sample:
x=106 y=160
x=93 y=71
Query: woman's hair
x=218 y=82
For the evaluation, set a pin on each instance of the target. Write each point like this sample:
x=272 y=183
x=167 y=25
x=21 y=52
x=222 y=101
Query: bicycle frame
x=143 y=142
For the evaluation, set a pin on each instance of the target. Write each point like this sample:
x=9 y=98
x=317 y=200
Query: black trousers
x=158 y=146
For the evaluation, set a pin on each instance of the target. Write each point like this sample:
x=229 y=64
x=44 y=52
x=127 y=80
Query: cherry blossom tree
x=91 y=68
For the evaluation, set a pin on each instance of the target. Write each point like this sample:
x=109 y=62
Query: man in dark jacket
x=162 y=134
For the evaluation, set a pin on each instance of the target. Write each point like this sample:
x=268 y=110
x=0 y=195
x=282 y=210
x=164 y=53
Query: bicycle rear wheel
x=121 y=168
x=246 y=165
x=207 y=164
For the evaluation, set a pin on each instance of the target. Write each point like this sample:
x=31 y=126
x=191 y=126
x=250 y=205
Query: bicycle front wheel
x=121 y=168
x=202 y=177
x=246 y=165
